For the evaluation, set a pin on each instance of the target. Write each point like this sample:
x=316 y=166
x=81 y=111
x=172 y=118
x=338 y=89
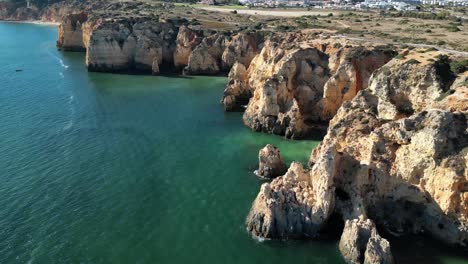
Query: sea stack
x=271 y=163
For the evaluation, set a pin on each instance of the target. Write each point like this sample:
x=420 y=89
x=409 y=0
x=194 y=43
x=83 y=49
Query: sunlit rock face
x=70 y=32
x=270 y=162
x=122 y=45
x=296 y=87
x=407 y=171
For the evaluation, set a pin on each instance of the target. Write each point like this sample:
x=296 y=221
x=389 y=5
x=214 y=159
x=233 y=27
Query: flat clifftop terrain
x=443 y=28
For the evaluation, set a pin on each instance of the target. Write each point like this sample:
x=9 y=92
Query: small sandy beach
x=37 y=22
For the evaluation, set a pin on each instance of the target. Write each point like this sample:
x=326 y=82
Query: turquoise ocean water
x=105 y=168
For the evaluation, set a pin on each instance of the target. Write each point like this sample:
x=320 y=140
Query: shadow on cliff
x=414 y=223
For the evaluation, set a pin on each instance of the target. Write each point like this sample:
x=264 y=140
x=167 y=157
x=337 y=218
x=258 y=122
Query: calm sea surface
x=105 y=168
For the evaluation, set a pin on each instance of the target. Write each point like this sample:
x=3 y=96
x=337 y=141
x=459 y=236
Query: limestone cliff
x=206 y=57
x=407 y=171
x=17 y=11
x=125 y=45
x=187 y=40
x=122 y=43
x=242 y=48
x=70 y=33
x=295 y=87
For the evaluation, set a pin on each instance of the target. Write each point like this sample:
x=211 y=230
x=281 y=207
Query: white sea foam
x=62 y=64
x=71 y=113
x=59 y=60
x=260 y=239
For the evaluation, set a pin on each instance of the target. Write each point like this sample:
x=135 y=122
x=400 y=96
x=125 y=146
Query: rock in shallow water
x=360 y=243
x=406 y=171
x=271 y=163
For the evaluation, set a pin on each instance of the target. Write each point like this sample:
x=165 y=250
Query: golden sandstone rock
x=409 y=174
x=396 y=149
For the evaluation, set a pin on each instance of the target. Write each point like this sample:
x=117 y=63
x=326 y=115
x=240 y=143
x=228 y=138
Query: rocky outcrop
x=406 y=171
x=418 y=86
x=125 y=45
x=206 y=57
x=378 y=250
x=271 y=163
x=242 y=48
x=70 y=33
x=285 y=207
x=455 y=99
x=297 y=87
x=187 y=40
x=6 y=8
x=297 y=204
x=54 y=12
x=237 y=93
x=360 y=243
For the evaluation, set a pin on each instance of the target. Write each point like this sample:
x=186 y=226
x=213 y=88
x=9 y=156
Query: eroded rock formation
x=123 y=45
x=270 y=162
x=406 y=171
x=187 y=40
x=206 y=57
x=360 y=243
x=70 y=32
x=295 y=87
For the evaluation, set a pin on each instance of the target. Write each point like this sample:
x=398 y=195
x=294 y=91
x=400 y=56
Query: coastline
x=347 y=189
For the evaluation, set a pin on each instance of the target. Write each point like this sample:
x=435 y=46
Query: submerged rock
x=271 y=163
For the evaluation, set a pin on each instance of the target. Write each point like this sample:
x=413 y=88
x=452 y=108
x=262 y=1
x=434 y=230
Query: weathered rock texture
x=295 y=87
x=286 y=208
x=236 y=94
x=187 y=40
x=397 y=153
x=206 y=57
x=70 y=32
x=123 y=45
x=360 y=243
x=55 y=12
x=117 y=43
x=271 y=163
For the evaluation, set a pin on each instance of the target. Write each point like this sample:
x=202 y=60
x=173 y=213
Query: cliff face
x=296 y=87
x=70 y=33
x=51 y=13
x=122 y=45
x=409 y=174
x=206 y=57
x=187 y=40
x=142 y=43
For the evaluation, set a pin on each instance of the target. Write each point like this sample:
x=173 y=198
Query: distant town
x=400 y=5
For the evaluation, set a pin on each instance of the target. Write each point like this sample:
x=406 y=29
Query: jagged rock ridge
x=407 y=171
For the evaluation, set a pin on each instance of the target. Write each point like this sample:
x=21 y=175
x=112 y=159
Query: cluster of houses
x=400 y=5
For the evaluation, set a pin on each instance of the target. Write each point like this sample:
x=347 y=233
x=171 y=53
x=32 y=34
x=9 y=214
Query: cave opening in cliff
x=333 y=229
